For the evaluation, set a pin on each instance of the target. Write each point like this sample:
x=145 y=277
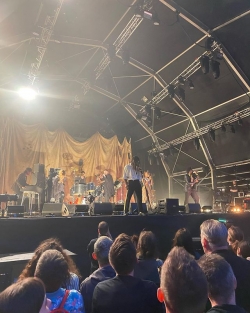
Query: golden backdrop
x=22 y=146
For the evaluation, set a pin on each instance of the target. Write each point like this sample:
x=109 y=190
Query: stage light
x=208 y=43
x=125 y=56
x=157 y=113
x=223 y=128
x=204 y=62
x=240 y=122
x=27 y=93
x=155 y=19
x=147 y=109
x=206 y=209
x=171 y=150
x=181 y=80
x=232 y=129
x=150 y=159
x=181 y=93
x=139 y=11
x=211 y=134
x=111 y=51
x=215 y=67
x=197 y=143
x=163 y=155
x=190 y=84
x=171 y=91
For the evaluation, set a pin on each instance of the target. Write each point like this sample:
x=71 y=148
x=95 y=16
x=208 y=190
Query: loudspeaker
x=15 y=210
x=82 y=209
x=134 y=208
x=172 y=206
x=68 y=209
x=105 y=208
x=193 y=208
x=53 y=209
x=119 y=208
x=38 y=168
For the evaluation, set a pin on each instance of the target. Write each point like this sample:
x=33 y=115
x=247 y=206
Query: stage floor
x=18 y=235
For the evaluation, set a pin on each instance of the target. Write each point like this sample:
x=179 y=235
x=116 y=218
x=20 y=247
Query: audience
x=184 y=239
x=214 y=240
x=221 y=284
x=147 y=253
x=53 y=270
x=103 y=230
x=235 y=236
x=105 y=271
x=25 y=296
x=52 y=243
x=183 y=284
x=243 y=249
x=125 y=293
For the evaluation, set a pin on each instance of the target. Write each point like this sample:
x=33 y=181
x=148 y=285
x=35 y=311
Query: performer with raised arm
x=191 y=180
x=132 y=176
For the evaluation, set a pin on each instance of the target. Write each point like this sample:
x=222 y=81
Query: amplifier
x=15 y=210
x=53 y=209
x=104 y=208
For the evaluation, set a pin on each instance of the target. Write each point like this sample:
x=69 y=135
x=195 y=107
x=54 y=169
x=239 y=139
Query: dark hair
x=235 y=236
x=147 y=246
x=244 y=248
x=134 y=239
x=25 y=296
x=183 y=239
x=189 y=169
x=220 y=277
x=122 y=255
x=52 y=269
x=28 y=170
x=135 y=159
x=51 y=243
x=183 y=283
x=103 y=228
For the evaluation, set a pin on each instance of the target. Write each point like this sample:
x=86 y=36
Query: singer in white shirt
x=132 y=176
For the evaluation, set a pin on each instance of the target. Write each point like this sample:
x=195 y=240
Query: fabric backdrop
x=23 y=146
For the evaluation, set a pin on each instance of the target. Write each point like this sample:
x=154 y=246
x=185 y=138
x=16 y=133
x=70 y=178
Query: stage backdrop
x=22 y=146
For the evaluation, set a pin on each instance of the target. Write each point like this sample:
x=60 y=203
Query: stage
x=19 y=235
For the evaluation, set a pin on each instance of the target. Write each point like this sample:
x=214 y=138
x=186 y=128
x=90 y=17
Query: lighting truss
x=43 y=41
x=122 y=38
x=189 y=71
x=204 y=130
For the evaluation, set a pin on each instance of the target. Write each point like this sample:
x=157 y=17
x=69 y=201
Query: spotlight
x=215 y=67
x=204 y=62
x=27 y=93
x=208 y=43
x=181 y=81
x=147 y=109
x=190 y=84
x=139 y=11
x=232 y=129
x=163 y=155
x=212 y=134
x=223 y=128
x=111 y=51
x=150 y=159
x=197 y=143
x=155 y=19
x=157 y=113
x=171 y=91
x=125 y=56
x=181 y=92
x=240 y=122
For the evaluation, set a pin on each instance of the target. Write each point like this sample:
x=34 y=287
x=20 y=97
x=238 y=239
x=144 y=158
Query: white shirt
x=130 y=174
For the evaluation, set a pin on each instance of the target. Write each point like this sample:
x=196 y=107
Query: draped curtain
x=22 y=146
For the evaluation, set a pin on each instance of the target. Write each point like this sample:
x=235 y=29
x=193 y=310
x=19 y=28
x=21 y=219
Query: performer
x=21 y=182
x=234 y=191
x=132 y=176
x=81 y=179
x=147 y=195
x=108 y=185
x=191 y=180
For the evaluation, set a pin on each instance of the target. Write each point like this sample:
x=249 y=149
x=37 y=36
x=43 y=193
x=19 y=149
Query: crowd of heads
x=186 y=283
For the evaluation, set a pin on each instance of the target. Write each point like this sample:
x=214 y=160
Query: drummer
x=81 y=179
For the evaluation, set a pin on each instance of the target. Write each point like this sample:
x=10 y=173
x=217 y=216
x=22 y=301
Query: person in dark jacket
x=214 y=240
x=105 y=271
x=221 y=284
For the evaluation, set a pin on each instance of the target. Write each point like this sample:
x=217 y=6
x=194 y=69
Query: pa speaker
x=193 y=208
x=15 y=210
x=53 y=209
x=105 y=208
x=68 y=209
x=119 y=208
x=81 y=209
x=134 y=207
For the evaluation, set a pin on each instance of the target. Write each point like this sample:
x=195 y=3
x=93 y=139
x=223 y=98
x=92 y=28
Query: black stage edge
x=19 y=235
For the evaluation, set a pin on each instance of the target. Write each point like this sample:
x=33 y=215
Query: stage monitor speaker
x=193 y=208
x=171 y=206
x=38 y=168
x=134 y=208
x=81 y=209
x=53 y=209
x=104 y=208
x=68 y=209
x=119 y=207
x=15 y=210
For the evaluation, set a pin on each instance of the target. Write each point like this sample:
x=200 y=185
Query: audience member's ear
x=94 y=256
x=238 y=252
x=205 y=244
x=160 y=295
